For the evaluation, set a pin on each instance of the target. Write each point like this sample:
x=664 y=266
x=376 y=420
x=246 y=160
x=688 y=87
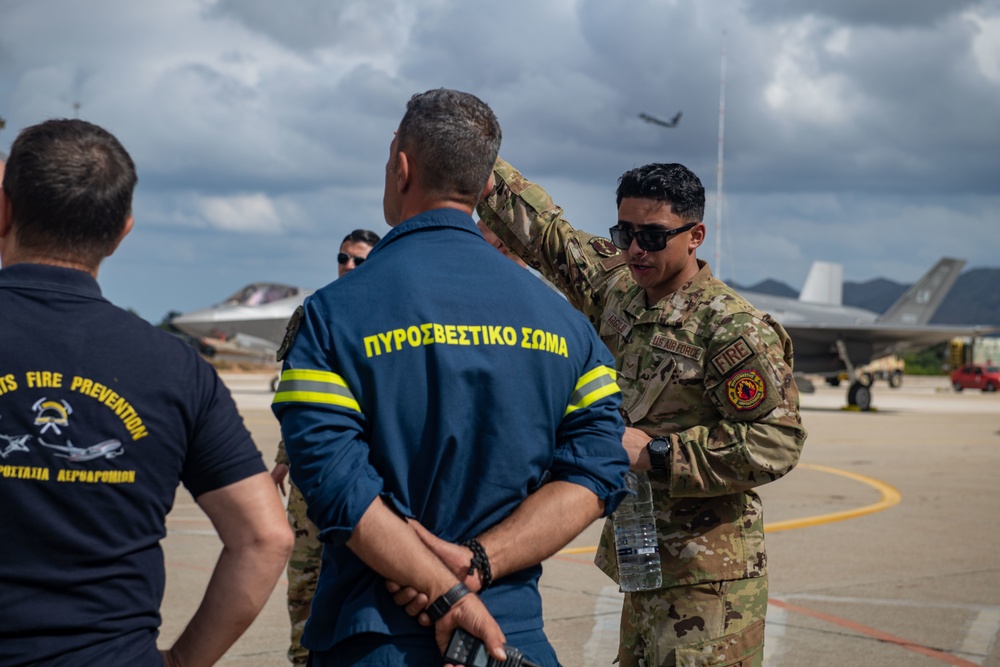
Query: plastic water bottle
x=635 y=538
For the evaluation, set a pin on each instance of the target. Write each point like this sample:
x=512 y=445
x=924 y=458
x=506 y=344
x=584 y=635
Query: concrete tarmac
x=883 y=544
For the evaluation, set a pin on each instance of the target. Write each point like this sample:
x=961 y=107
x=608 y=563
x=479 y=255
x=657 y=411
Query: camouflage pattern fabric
x=282 y=455
x=704 y=625
x=303 y=567
x=702 y=367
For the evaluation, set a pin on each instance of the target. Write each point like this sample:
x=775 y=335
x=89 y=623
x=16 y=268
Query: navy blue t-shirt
x=101 y=415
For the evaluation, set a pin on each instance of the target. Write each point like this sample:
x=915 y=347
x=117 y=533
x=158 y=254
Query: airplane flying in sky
x=665 y=123
x=829 y=338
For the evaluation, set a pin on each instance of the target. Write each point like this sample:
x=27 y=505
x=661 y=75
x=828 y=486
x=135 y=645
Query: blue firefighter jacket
x=452 y=383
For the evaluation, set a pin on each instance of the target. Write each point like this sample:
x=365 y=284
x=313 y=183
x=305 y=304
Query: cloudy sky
x=860 y=132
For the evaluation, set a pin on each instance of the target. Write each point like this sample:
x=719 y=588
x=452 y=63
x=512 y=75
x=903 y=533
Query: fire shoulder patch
x=746 y=389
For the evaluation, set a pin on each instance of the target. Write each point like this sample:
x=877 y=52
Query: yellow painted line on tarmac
x=890 y=497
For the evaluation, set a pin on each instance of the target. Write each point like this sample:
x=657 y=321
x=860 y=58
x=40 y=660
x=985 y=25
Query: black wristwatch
x=659 y=454
x=437 y=609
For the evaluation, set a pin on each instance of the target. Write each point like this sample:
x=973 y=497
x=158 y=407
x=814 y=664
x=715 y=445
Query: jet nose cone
x=197 y=322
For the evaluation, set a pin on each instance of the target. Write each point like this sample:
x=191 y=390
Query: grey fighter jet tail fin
x=825 y=284
x=919 y=303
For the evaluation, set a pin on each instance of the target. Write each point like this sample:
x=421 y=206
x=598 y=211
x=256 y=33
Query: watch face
x=659 y=445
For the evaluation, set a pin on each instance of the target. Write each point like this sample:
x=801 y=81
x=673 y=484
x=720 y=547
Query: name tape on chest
x=614 y=262
x=617 y=323
x=677 y=347
x=735 y=353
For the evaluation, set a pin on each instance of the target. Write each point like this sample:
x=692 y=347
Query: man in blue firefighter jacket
x=442 y=384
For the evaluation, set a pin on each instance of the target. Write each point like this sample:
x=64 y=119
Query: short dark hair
x=454 y=138
x=362 y=236
x=70 y=186
x=672 y=183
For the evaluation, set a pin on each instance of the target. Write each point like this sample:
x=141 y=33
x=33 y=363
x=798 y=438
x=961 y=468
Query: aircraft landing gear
x=860 y=396
x=859 y=393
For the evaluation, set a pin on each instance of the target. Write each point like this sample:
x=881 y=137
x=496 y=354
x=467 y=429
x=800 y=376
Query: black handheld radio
x=465 y=649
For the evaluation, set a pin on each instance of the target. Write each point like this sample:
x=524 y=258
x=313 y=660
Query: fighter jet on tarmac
x=255 y=317
x=829 y=338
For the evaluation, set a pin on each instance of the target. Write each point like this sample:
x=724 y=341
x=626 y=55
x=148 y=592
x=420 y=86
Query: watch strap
x=437 y=609
x=658 y=459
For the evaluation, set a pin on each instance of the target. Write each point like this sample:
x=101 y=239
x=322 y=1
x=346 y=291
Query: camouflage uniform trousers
x=303 y=572
x=717 y=623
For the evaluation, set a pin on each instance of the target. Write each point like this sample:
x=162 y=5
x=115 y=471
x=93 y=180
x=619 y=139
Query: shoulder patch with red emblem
x=603 y=247
x=746 y=389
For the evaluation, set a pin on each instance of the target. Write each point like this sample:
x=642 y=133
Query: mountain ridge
x=973 y=299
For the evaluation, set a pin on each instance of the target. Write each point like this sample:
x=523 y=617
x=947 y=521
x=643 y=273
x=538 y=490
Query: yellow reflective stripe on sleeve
x=299 y=385
x=593 y=386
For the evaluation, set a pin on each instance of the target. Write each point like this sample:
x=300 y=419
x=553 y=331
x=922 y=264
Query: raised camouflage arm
x=583 y=266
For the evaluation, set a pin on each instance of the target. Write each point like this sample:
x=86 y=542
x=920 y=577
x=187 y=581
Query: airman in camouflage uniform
x=697 y=365
x=303 y=566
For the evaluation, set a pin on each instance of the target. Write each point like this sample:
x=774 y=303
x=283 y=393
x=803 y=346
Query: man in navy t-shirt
x=101 y=416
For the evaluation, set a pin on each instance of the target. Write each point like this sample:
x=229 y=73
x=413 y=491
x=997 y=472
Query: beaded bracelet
x=480 y=561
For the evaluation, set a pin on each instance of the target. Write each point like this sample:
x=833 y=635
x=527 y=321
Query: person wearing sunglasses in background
x=708 y=397
x=303 y=567
x=354 y=250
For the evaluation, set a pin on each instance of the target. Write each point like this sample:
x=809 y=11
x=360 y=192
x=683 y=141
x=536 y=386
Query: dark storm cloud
x=862 y=133
x=306 y=25
x=887 y=13
x=811 y=106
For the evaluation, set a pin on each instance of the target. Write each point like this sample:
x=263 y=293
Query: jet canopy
x=259 y=294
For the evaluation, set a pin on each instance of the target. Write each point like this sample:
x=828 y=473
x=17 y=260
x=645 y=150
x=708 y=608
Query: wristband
x=437 y=609
x=480 y=561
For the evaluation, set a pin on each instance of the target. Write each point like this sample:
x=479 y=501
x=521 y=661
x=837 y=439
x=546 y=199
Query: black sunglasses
x=649 y=240
x=343 y=257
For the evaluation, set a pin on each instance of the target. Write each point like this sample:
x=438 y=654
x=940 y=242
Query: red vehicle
x=976 y=376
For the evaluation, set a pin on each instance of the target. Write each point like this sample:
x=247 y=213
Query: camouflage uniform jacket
x=702 y=367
